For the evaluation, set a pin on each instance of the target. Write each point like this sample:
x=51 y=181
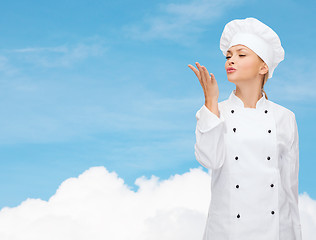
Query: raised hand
x=209 y=85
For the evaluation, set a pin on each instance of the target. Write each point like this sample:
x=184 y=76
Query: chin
x=232 y=79
x=235 y=78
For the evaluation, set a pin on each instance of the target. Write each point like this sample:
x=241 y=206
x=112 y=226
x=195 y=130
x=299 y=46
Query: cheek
x=249 y=65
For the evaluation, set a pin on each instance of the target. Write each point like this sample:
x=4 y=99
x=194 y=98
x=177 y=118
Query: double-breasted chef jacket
x=254 y=157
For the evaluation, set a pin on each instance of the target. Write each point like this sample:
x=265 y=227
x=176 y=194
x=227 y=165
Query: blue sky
x=106 y=83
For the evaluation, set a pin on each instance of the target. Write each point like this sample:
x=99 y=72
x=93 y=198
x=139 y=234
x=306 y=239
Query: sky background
x=106 y=84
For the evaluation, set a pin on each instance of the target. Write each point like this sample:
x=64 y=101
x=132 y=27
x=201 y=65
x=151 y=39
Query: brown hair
x=265 y=79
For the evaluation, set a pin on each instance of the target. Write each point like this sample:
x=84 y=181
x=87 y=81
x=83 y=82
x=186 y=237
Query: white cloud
x=179 y=22
x=307 y=208
x=99 y=205
x=5 y=67
x=60 y=56
x=62 y=49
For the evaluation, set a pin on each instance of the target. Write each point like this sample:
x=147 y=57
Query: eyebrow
x=237 y=50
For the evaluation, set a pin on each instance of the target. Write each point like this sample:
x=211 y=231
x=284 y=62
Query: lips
x=231 y=69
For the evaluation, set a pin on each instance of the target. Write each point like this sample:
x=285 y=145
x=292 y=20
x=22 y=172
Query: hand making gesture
x=209 y=85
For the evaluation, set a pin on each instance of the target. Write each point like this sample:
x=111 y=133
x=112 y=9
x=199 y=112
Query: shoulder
x=281 y=111
x=286 y=124
x=285 y=120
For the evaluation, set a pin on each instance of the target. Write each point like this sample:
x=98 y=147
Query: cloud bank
x=99 y=205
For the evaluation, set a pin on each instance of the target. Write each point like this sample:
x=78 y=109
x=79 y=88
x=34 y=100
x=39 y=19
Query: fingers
x=194 y=70
x=202 y=77
x=213 y=77
x=207 y=75
x=197 y=73
x=202 y=74
x=207 y=81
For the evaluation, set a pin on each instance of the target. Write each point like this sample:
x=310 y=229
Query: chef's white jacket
x=254 y=157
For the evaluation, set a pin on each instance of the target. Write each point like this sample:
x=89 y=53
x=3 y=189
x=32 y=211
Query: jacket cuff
x=206 y=120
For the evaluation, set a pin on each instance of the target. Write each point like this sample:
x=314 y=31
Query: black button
x=269 y=131
x=268 y=158
x=236 y=158
x=265 y=111
x=272 y=212
x=238 y=216
x=234 y=129
x=237 y=186
x=272 y=185
x=232 y=111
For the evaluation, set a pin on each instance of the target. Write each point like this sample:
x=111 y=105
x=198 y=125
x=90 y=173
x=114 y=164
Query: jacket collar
x=236 y=101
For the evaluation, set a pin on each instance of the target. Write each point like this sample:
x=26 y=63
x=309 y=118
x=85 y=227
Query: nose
x=230 y=61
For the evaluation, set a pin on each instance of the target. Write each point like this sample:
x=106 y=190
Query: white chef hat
x=255 y=35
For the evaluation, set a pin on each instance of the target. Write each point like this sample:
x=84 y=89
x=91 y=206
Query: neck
x=249 y=95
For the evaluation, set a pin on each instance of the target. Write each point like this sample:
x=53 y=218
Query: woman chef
x=249 y=142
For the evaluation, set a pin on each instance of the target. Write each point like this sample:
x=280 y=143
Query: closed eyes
x=239 y=55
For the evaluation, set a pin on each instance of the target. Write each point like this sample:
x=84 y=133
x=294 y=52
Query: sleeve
x=210 y=149
x=292 y=157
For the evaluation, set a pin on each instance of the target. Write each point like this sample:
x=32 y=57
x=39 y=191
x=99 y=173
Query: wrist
x=212 y=106
x=211 y=102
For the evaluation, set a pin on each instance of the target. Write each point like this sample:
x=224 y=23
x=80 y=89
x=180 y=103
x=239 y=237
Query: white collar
x=236 y=101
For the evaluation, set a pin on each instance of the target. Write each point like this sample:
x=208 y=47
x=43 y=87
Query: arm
x=292 y=157
x=210 y=149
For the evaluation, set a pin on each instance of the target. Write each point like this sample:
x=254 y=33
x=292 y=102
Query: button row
x=271 y=185
x=268 y=158
x=236 y=158
x=234 y=129
x=232 y=111
x=238 y=216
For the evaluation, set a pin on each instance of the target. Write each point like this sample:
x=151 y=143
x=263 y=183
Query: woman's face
x=247 y=63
